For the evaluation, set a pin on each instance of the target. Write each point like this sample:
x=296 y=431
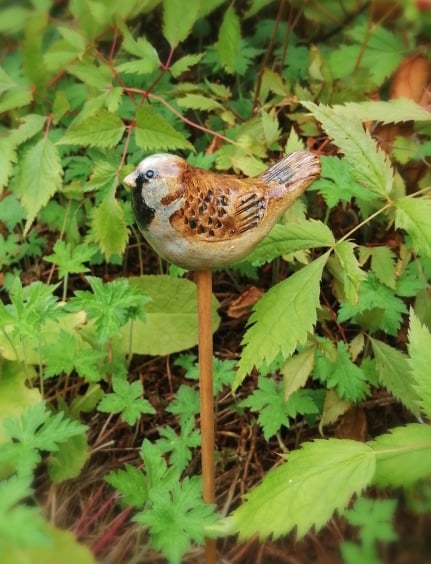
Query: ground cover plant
x=322 y=335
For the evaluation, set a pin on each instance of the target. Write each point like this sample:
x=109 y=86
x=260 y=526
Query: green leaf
x=31 y=124
x=403 y=456
x=412 y=215
x=341 y=373
x=296 y=494
x=337 y=183
x=383 y=265
x=154 y=133
x=185 y=63
x=109 y=227
x=420 y=361
x=292 y=237
x=177 y=21
x=103 y=130
x=391 y=111
x=374 y=517
x=271 y=330
x=199 y=102
x=370 y=164
x=171 y=316
x=7 y=159
x=178 y=518
x=228 y=43
x=131 y=484
x=69 y=460
x=34 y=431
x=377 y=307
x=296 y=371
x=349 y=272
x=15 y=98
x=70 y=259
x=179 y=446
x=186 y=403
x=274 y=411
x=148 y=59
x=111 y=305
x=126 y=399
x=39 y=177
x=395 y=375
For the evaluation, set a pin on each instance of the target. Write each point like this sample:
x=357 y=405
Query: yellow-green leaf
x=102 y=130
x=109 y=227
x=229 y=40
x=413 y=215
x=155 y=133
x=420 y=361
x=39 y=177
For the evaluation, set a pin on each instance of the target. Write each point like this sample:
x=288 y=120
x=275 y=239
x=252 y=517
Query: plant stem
x=204 y=288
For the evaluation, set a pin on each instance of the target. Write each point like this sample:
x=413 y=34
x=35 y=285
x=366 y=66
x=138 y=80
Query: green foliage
x=126 y=399
x=87 y=89
x=374 y=519
x=171 y=509
x=35 y=431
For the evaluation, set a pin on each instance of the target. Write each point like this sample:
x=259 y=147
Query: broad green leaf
x=292 y=237
x=229 y=38
x=271 y=328
x=349 y=273
x=15 y=98
x=170 y=317
x=395 y=374
x=420 y=361
x=333 y=407
x=178 y=20
x=154 y=133
x=39 y=177
x=403 y=456
x=109 y=227
x=296 y=371
x=370 y=164
x=102 y=130
x=317 y=480
x=7 y=159
x=413 y=215
x=270 y=126
x=32 y=51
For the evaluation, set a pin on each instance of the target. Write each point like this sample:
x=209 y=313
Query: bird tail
x=296 y=171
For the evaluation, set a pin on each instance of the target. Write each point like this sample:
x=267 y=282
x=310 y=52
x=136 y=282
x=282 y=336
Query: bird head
x=155 y=187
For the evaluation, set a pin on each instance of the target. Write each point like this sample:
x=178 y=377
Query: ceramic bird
x=201 y=220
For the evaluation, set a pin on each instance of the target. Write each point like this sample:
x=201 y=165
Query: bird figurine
x=201 y=220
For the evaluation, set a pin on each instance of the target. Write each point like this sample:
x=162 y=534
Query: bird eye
x=149 y=174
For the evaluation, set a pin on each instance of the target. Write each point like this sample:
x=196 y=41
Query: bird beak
x=130 y=180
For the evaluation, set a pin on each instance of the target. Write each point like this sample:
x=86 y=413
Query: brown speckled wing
x=218 y=207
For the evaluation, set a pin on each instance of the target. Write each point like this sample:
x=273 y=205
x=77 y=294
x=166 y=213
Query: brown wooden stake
x=204 y=287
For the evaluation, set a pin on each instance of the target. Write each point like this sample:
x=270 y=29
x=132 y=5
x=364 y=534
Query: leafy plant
x=87 y=89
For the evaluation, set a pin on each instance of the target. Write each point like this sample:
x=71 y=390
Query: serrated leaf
x=147 y=58
x=333 y=407
x=109 y=227
x=102 y=130
x=391 y=111
x=229 y=38
x=170 y=317
x=413 y=215
x=420 y=361
x=350 y=273
x=7 y=159
x=185 y=63
x=29 y=126
x=198 y=102
x=292 y=237
x=395 y=374
x=270 y=126
x=403 y=456
x=383 y=265
x=296 y=371
x=39 y=177
x=153 y=132
x=302 y=493
x=370 y=164
x=178 y=21
x=271 y=330
x=15 y=98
